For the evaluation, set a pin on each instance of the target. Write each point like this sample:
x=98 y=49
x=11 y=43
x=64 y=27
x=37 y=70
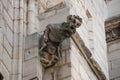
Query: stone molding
x=95 y=67
x=113 y=30
x=56 y=7
x=112 y=22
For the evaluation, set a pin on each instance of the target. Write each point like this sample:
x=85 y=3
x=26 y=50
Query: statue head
x=73 y=22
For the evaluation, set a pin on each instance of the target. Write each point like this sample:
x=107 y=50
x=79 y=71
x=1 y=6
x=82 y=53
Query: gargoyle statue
x=54 y=34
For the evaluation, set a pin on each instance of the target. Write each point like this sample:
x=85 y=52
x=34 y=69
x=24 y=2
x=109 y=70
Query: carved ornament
x=54 y=35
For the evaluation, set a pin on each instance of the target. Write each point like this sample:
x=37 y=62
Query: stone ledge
x=112 y=23
x=95 y=67
x=51 y=13
x=113 y=32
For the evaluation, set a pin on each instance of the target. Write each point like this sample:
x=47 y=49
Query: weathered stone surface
x=113 y=40
x=7 y=18
x=31 y=53
x=10 y=10
x=10 y=36
x=114 y=59
x=32 y=77
x=16 y=17
x=69 y=78
x=7 y=60
x=1 y=49
x=114 y=73
x=15 y=68
x=66 y=44
x=8 y=47
x=113 y=9
x=117 y=78
x=31 y=56
x=115 y=64
x=53 y=19
x=32 y=41
x=21 y=18
x=114 y=47
x=114 y=55
x=4 y=72
x=5 y=2
x=64 y=71
x=31 y=66
x=48 y=5
x=1 y=8
x=54 y=35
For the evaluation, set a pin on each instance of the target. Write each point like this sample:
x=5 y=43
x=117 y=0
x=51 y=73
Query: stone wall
x=80 y=68
x=23 y=21
x=6 y=38
x=114 y=59
x=72 y=65
x=113 y=9
x=113 y=42
x=113 y=38
x=32 y=68
x=12 y=26
x=92 y=30
x=87 y=31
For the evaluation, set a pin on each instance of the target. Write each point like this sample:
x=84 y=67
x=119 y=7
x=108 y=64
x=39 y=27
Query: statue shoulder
x=54 y=26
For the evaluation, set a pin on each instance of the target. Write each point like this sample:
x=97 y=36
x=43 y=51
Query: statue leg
x=53 y=60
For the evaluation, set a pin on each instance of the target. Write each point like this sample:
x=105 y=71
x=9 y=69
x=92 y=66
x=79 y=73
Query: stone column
x=31 y=17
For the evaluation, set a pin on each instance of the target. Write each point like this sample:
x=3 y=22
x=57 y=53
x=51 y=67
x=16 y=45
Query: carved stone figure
x=54 y=34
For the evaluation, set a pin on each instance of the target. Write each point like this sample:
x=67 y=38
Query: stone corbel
x=54 y=35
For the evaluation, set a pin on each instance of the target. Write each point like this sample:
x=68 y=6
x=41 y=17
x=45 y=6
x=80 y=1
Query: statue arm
x=45 y=38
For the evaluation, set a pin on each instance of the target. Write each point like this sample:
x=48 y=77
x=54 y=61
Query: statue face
x=73 y=22
x=51 y=48
x=68 y=30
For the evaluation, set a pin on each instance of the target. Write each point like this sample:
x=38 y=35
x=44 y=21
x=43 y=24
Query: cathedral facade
x=84 y=54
